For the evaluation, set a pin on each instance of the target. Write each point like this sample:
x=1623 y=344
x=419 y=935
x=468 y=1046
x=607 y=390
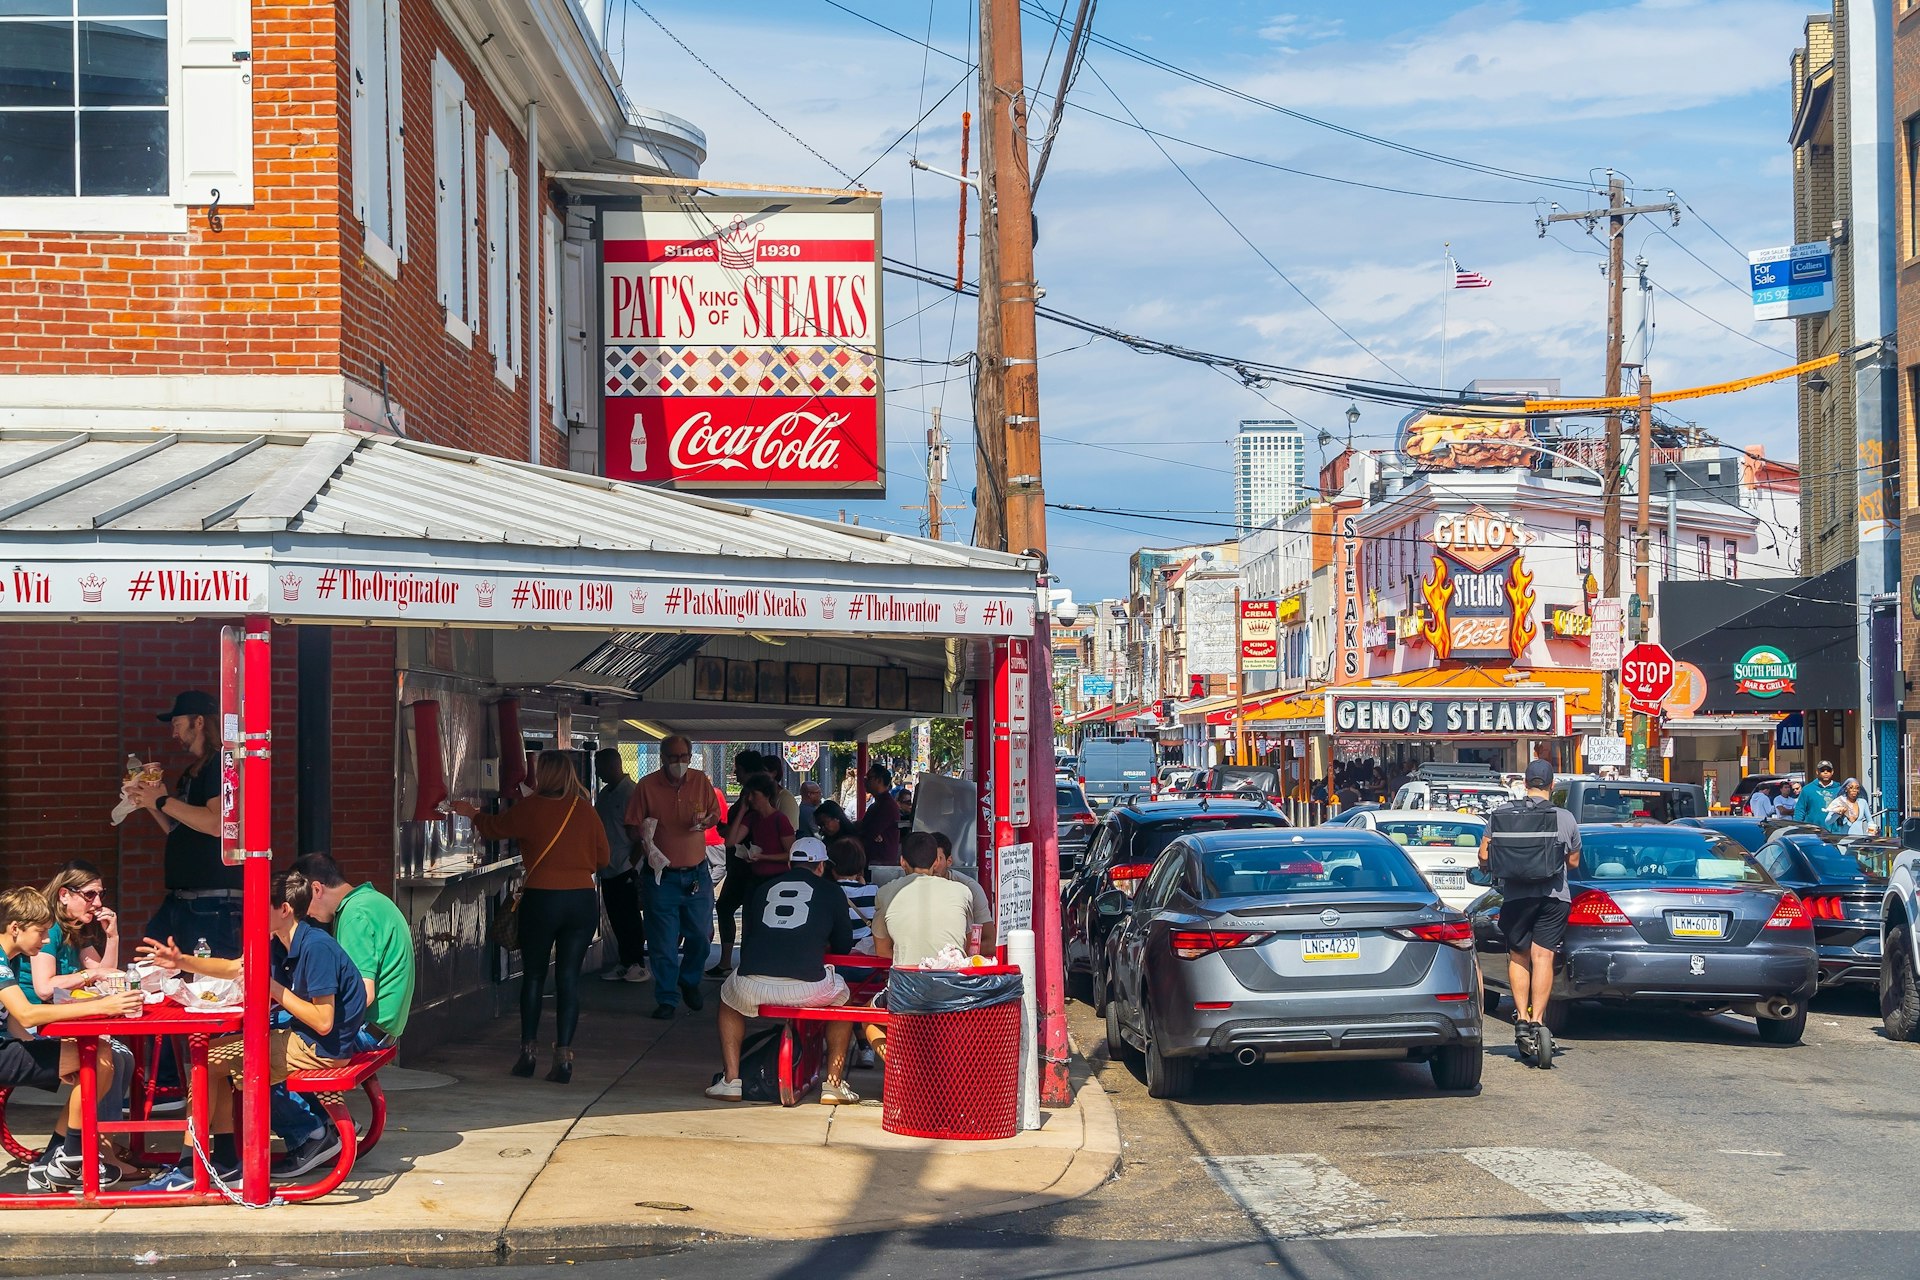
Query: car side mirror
x=1111 y=904
x=1479 y=878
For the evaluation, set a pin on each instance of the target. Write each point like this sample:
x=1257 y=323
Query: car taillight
x=1596 y=910
x=1824 y=907
x=1127 y=876
x=1791 y=913
x=1454 y=933
x=1191 y=944
x=1080 y=817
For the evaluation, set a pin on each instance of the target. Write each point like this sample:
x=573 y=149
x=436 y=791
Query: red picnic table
x=163 y=1019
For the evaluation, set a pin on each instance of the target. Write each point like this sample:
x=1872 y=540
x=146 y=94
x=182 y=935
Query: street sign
x=1603 y=652
x=1647 y=675
x=1792 y=280
x=1019 y=687
x=1019 y=789
x=1093 y=686
x=1259 y=635
x=1599 y=750
x=1013 y=888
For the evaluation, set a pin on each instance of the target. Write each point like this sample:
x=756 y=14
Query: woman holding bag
x=562 y=846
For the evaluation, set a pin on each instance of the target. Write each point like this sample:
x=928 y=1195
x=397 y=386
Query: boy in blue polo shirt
x=312 y=979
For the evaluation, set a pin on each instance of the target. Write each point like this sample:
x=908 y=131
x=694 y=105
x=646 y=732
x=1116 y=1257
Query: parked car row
x=1207 y=929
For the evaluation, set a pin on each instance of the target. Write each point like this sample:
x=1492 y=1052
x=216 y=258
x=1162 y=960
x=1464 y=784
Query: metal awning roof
x=345 y=525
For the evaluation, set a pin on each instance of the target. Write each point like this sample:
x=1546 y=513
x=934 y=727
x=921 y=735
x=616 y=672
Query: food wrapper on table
x=204 y=993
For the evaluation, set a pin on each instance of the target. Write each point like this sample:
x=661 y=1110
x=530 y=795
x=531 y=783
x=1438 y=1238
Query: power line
x=1244 y=238
x=1729 y=328
x=1709 y=226
x=762 y=111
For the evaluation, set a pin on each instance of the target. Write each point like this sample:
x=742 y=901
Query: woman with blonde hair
x=562 y=847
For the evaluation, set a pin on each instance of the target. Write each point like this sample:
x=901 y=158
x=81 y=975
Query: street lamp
x=1353 y=420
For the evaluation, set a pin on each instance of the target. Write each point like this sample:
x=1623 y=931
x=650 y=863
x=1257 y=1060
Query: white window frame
x=216 y=73
x=456 y=228
x=550 y=288
x=504 y=323
x=378 y=132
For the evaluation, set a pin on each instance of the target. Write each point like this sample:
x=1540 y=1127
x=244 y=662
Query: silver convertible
x=1264 y=945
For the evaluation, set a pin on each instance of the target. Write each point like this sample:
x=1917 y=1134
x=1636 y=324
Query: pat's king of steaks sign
x=740 y=344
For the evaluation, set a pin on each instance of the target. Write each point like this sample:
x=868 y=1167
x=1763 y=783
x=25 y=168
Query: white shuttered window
x=503 y=261
x=455 y=226
x=378 y=131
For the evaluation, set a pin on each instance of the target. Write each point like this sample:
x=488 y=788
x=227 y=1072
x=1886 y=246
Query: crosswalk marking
x=1302 y=1197
x=1596 y=1195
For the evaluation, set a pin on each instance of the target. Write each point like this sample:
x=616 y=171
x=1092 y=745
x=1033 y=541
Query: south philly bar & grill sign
x=1765 y=672
x=1480 y=597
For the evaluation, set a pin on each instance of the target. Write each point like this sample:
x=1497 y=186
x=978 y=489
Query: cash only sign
x=740 y=344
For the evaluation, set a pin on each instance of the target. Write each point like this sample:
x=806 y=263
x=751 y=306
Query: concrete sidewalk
x=476 y=1162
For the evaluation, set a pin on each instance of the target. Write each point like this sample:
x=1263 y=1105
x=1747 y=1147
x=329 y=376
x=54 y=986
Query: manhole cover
x=514 y=1153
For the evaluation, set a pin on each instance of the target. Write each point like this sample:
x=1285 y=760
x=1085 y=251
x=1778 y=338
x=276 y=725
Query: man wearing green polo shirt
x=375 y=936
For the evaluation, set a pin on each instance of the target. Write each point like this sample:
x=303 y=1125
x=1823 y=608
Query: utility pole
x=936 y=474
x=1007 y=430
x=1617 y=213
x=1239 y=686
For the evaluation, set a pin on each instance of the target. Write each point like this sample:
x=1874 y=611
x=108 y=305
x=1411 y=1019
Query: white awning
x=340 y=526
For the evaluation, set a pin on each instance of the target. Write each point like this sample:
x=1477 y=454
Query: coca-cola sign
x=740 y=345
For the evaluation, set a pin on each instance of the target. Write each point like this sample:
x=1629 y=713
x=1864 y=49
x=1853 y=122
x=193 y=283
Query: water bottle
x=202 y=950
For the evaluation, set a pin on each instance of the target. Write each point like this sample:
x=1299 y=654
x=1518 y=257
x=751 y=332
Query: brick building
x=284 y=218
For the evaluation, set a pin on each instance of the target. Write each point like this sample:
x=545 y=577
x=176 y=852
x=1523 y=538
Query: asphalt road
x=1660 y=1145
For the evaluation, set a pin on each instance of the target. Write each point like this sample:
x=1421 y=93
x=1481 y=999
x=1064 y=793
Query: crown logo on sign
x=740 y=245
x=91 y=588
x=290 y=587
x=485 y=591
x=960 y=613
x=639 y=599
x=827 y=604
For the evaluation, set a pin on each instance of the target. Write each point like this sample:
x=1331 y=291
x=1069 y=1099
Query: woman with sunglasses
x=83 y=940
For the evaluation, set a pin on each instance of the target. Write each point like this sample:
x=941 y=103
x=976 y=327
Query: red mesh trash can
x=953 y=1075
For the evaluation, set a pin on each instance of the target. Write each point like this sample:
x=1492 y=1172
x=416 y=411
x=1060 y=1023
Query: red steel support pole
x=256 y=831
x=1003 y=832
x=983 y=782
x=1044 y=833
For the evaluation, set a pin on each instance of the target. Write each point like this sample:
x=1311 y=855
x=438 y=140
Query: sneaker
x=619 y=973
x=724 y=1091
x=37 y=1171
x=322 y=1149
x=835 y=1093
x=1525 y=1038
x=638 y=973
x=863 y=1059
x=662 y=1013
x=690 y=992
x=63 y=1172
x=178 y=1178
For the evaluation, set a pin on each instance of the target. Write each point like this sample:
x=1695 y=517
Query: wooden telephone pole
x=1617 y=214
x=1011 y=512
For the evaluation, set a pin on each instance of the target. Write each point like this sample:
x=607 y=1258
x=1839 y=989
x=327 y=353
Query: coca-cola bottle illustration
x=637 y=447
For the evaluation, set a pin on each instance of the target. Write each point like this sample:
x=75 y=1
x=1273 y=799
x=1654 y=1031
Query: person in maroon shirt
x=880 y=826
x=758 y=822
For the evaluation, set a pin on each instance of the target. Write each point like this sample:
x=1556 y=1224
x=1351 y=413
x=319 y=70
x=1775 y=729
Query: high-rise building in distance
x=1269 y=471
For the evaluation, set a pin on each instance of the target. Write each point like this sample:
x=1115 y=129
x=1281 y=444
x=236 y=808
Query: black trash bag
x=948 y=990
x=760 y=1064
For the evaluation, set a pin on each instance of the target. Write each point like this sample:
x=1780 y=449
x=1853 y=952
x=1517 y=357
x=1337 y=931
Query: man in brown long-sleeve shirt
x=679 y=906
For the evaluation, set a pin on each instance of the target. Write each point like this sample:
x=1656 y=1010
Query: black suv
x=1123 y=850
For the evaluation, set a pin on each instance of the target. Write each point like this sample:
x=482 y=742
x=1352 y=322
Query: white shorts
x=744 y=994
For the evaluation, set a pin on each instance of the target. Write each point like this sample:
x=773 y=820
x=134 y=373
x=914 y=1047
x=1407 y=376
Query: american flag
x=1465 y=279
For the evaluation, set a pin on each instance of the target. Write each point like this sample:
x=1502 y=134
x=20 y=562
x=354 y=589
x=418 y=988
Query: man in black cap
x=1528 y=847
x=203 y=893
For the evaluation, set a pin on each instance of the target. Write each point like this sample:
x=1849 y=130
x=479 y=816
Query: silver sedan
x=1257 y=946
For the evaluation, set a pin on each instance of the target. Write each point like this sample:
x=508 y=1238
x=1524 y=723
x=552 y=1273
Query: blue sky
x=1690 y=95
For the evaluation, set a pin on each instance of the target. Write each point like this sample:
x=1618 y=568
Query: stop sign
x=1647 y=673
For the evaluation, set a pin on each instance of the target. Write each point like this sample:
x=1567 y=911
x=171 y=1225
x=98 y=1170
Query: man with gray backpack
x=1528 y=847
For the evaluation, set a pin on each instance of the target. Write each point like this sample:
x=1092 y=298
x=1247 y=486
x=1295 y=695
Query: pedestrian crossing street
x=1464 y=1190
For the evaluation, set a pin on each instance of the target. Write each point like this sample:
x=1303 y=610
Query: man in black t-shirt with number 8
x=792 y=922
